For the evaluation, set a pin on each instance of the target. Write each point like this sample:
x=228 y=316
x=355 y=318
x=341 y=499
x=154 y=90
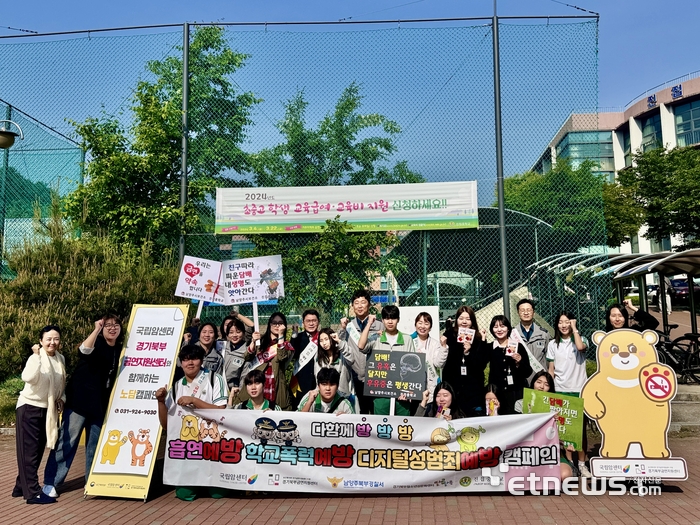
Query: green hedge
x=72 y=283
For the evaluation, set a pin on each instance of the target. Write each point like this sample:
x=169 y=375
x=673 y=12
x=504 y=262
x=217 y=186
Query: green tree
x=623 y=214
x=333 y=153
x=71 y=282
x=322 y=270
x=347 y=147
x=133 y=188
x=570 y=199
x=666 y=183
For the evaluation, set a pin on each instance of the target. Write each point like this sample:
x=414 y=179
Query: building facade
x=666 y=116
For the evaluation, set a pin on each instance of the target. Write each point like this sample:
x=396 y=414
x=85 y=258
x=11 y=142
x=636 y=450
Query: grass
x=9 y=391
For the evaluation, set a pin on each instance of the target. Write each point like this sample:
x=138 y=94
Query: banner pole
x=200 y=307
x=256 y=320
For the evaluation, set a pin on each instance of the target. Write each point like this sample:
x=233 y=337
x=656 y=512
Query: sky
x=643 y=43
x=436 y=84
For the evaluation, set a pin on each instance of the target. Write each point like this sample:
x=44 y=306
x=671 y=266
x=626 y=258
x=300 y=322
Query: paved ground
x=679 y=317
x=677 y=504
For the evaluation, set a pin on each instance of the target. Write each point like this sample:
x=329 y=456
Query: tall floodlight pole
x=185 y=131
x=499 y=160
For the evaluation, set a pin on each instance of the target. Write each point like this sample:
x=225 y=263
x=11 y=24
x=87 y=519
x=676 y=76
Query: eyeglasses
x=277 y=323
x=112 y=326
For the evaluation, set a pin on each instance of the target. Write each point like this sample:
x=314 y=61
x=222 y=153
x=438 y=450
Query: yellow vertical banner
x=128 y=444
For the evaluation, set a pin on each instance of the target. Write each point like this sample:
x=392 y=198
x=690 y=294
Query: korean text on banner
x=128 y=443
x=569 y=411
x=199 y=279
x=307 y=452
x=427 y=206
x=253 y=280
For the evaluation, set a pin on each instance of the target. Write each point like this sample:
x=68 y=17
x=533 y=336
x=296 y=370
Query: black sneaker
x=17 y=493
x=41 y=499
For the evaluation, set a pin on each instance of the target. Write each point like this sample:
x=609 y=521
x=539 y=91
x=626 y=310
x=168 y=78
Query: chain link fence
x=333 y=104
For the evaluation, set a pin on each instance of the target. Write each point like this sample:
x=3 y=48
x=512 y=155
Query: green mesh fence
x=289 y=105
x=43 y=164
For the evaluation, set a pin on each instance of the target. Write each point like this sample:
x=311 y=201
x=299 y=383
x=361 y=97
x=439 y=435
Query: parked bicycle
x=681 y=353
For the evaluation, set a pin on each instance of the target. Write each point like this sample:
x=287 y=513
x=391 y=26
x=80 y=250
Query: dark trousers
x=366 y=402
x=30 y=435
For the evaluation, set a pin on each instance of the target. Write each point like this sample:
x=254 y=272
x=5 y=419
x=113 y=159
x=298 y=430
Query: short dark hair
x=254 y=377
x=310 y=311
x=47 y=329
x=361 y=294
x=223 y=327
x=500 y=319
x=391 y=311
x=328 y=375
x=426 y=316
x=608 y=325
x=237 y=323
x=213 y=327
x=524 y=301
x=191 y=352
x=547 y=376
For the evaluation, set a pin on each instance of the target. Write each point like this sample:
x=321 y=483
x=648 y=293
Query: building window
x=627 y=147
x=688 y=123
x=634 y=243
x=663 y=246
x=651 y=133
x=588 y=145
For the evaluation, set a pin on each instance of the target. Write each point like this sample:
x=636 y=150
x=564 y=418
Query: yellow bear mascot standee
x=113 y=443
x=630 y=394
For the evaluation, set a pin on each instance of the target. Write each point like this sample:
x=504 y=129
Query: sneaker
x=50 y=491
x=41 y=499
x=583 y=470
x=17 y=493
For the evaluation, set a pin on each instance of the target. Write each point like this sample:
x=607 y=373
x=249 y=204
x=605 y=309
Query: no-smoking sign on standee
x=657 y=382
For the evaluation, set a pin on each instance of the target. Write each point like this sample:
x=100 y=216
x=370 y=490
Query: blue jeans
x=61 y=458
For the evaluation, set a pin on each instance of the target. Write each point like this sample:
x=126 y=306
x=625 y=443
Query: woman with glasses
x=270 y=354
x=87 y=397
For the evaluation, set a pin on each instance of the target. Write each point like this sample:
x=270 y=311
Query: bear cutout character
x=190 y=428
x=111 y=448
x=630 y=394
x=140 y=447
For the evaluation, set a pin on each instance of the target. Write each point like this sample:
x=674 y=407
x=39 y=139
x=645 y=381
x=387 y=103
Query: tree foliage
x=666 y=183
x=71 y=283
x=335 y=152
x=623 y=215
x=570 y=199
x=322 y=270
x=133 y=178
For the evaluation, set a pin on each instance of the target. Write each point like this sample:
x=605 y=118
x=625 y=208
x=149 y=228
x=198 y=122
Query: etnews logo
x=546 y=485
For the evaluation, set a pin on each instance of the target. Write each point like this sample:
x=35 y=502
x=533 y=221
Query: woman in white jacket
x=335 y=353
x=38 y=406
x=435 y=351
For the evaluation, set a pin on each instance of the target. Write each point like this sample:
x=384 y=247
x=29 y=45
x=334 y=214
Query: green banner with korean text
x=569 y=411
x=382 y=207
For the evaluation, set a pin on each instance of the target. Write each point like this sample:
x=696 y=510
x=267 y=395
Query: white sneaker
x=583 y=469
x=50 y=491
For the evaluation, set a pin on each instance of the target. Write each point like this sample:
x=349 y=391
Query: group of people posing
x=470 y=372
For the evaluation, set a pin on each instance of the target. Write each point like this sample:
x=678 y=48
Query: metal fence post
x=3 y=186
x=185 y=131
x=499 y=161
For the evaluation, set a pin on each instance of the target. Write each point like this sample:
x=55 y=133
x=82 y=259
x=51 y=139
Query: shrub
x=72 y=283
